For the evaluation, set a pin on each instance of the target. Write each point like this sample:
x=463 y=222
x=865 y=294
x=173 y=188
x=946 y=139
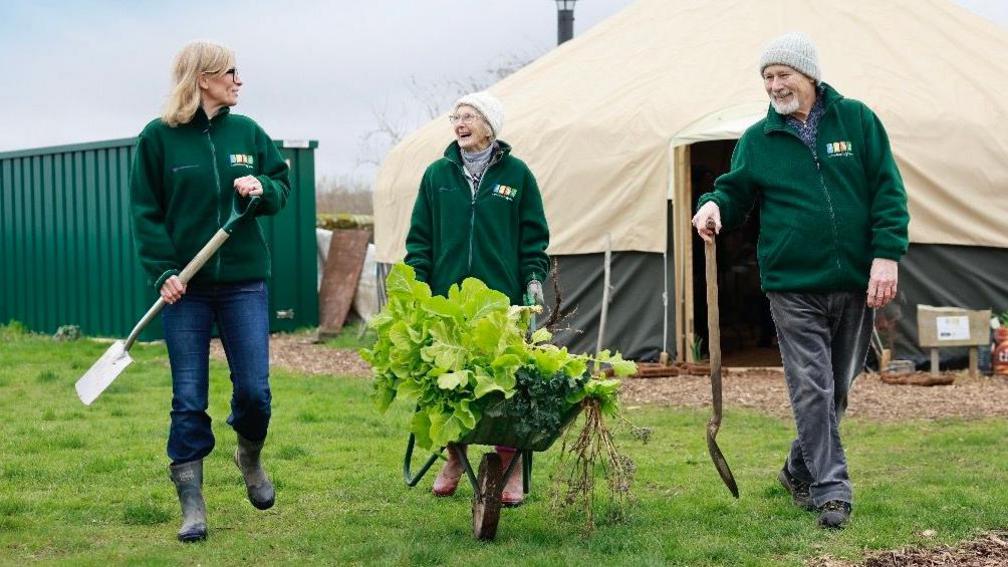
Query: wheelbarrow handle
x=529 y=301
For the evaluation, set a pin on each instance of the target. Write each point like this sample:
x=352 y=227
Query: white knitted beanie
x=795 y=50
x=488 y=105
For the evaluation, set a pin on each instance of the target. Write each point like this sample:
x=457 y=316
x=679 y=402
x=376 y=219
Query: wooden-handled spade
x=714 y=340
x=117 y=358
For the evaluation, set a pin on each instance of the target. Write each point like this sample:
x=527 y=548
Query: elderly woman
x=191 y=165
x=479 y=214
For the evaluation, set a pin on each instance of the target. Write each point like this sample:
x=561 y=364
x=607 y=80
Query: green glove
x=534 y=293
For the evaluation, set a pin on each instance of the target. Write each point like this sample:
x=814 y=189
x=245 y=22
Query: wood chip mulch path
x=763 y=389
x=988 y=550
x=300 y=353
x=760 y=389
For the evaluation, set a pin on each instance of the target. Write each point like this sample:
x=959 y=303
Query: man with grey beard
x=833 y=226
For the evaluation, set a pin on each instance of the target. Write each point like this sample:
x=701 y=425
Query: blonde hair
x=193 y=60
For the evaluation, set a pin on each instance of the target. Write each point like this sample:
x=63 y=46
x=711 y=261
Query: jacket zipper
x=213 y=157
x=472 y=205
x=829 y=205
x=825 y=190
x=472 y=219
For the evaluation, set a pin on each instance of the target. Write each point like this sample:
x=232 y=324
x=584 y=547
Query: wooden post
x=973 y=365
x=682 y=210
x=934 y=361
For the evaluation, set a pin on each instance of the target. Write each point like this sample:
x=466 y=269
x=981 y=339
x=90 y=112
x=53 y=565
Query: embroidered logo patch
x=242 y=160
x=839 y=149
x=505 y=192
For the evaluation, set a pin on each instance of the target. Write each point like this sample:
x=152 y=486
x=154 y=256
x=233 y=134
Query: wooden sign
x=939 y=327
x=952 y=326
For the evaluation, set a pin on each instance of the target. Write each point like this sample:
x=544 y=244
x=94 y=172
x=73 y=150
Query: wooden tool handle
x=713 y=320
x=203 y=255
x=187 y=273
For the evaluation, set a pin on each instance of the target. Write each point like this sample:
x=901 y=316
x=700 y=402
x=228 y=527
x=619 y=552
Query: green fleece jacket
x=182 y=191
x=824 y=217
x=497 y=233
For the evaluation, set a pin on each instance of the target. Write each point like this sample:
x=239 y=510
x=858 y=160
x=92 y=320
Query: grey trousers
x=823 y=340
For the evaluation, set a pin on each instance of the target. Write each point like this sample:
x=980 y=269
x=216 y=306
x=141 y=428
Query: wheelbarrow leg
x=408 y=476
x=526 y=471
x=467 y=467
x=486 y=503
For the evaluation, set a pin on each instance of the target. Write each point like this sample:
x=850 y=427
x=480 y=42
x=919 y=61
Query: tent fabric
x=634 y=320
x=595 y=117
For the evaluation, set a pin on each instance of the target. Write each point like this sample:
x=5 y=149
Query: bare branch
x=433 y=97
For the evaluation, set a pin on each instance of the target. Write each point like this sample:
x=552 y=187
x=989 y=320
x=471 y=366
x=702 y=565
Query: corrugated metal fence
x=67 y=255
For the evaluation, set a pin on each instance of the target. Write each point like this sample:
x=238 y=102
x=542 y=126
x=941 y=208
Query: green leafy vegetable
x=451 y=356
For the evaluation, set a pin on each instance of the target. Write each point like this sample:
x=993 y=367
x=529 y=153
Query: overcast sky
x=79 y=71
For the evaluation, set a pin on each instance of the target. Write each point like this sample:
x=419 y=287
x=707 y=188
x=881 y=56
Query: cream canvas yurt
x=617 y=123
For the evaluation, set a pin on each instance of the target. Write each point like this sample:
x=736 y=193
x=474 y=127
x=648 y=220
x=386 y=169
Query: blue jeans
x=241 y=312
x=823 y=341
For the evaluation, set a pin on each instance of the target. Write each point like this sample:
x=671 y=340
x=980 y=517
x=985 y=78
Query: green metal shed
x=67 y=255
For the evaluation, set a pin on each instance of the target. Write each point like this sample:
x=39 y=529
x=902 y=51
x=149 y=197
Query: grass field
x=89 y=485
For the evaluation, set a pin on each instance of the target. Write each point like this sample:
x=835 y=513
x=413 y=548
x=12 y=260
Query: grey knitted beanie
x=795 y=50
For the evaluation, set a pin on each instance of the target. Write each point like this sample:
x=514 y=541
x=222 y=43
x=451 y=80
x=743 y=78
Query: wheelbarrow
x=489 y=481
x=493 y=428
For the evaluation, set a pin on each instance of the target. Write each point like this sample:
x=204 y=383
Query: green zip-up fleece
x=824 y=217
x=498 y=235
x=182 y=192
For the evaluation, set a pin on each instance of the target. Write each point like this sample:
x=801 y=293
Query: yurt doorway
x=748 y=337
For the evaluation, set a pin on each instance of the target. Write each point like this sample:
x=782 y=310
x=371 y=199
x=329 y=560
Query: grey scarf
x=476 y=162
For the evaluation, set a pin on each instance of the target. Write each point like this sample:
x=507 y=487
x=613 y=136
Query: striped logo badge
x=505 y=192
x=242 y=160
x=839 y=149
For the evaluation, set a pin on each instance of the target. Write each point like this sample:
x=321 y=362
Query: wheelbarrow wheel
x=486 y=504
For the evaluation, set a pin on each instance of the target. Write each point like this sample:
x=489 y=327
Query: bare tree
x=343 y=194
x=434 y=96
x=388 y=131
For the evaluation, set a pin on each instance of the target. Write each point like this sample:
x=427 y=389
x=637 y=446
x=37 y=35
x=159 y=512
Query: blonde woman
x=191 y=166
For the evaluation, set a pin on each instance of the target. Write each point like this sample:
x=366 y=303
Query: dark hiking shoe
x=799 y=490
x=834 y=514
x=188 y=479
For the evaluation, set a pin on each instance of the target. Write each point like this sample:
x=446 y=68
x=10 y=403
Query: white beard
x=785 y=108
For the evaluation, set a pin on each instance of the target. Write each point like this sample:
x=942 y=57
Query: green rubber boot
x=257 y=484
x=188 y=479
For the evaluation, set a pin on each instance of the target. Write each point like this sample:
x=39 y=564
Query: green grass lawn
x=89 y=485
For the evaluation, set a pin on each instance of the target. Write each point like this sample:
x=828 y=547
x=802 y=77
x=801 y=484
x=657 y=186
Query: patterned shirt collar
x=807 y=131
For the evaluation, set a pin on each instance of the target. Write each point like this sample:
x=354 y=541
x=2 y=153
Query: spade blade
x=103 y=372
